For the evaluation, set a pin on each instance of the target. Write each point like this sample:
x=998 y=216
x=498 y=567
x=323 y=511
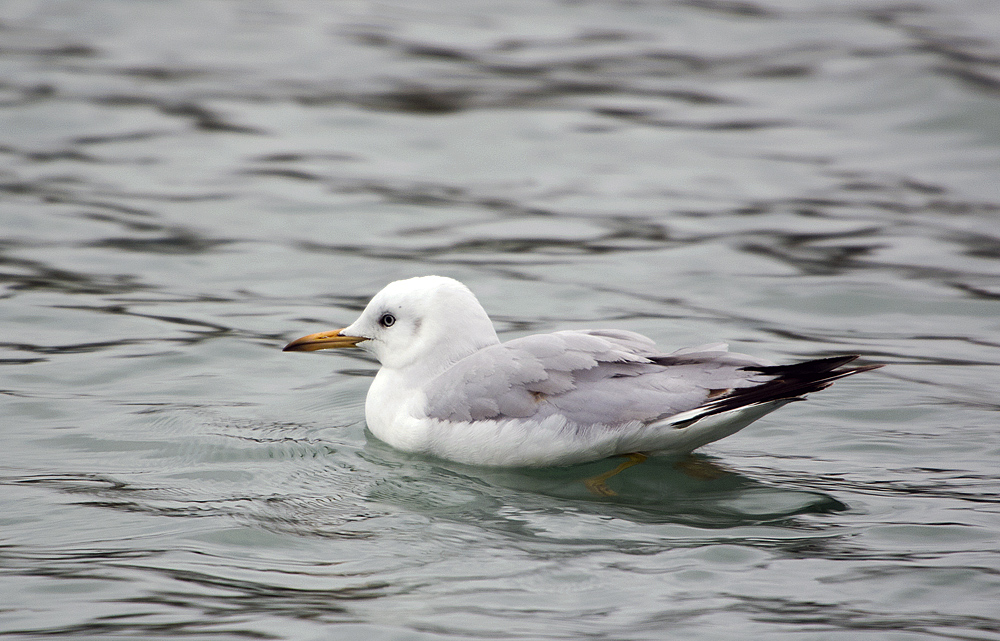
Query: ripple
x=801 y=180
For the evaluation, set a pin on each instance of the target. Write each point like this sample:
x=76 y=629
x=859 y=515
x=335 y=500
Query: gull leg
x=701 y=469
x=597 y=485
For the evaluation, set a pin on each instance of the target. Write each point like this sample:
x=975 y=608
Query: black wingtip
x=790 y=382
x=813 y=367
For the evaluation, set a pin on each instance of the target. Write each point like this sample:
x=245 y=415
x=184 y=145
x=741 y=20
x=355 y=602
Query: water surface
x=186 y=186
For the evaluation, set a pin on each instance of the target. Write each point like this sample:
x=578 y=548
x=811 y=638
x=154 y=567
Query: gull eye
x=386 y=320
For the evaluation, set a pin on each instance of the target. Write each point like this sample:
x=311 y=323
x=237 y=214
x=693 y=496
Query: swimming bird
x=448 y=387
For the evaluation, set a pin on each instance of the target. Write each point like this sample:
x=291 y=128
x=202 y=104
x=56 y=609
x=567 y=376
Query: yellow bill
x=323 y=340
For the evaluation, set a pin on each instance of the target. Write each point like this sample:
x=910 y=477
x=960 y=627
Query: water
x=188 y=185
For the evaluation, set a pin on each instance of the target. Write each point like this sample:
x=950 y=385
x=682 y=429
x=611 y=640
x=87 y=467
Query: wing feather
x=608 y=377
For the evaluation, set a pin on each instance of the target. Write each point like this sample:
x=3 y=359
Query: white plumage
x=448 y=387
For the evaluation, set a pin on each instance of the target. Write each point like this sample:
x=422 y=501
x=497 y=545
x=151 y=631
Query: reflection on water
x=800 y=179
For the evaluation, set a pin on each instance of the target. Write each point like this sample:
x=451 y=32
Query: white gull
x=449 y=388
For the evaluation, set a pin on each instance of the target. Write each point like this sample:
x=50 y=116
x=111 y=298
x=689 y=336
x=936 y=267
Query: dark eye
x=386 y=320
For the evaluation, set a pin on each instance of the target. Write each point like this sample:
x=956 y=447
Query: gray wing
x=608 y=377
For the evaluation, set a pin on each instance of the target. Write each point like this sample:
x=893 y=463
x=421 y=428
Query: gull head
x=413 y=322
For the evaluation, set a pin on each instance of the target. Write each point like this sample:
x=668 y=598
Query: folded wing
x=614 y=377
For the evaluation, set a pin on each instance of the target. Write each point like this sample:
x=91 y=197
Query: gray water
x=185 y=186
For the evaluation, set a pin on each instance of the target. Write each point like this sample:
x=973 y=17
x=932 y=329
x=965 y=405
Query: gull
x=448 y=387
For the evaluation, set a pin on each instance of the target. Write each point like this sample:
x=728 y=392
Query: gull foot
x=698 y=468
x=597 y=485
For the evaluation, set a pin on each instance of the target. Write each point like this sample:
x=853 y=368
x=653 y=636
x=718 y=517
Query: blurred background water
x=186 y=185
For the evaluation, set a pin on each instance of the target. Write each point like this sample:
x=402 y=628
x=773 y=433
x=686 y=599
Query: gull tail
x=790 y=383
